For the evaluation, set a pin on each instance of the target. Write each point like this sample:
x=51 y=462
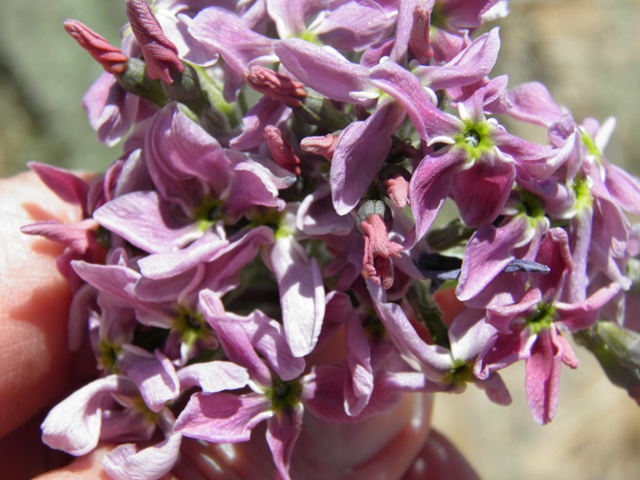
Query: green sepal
x=318 y=110
x=135 y=80
x=453 y=234
x=427 y=311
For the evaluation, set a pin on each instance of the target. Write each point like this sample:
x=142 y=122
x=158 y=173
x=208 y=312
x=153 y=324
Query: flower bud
x=276 y=86
x=420 y=41
x=160 y=54
x=318 y=110
x=394 y=181
x=378 y=249
x=324 y=146
x=110 y=57
x=281 y=150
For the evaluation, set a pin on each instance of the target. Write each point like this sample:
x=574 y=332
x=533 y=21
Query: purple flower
x=224 y=33
x=477 y=162
x=445 y=370
x=491 y=249
x=346 y=26
x=110 y=410
x=198 y=184
x=531 y=328
x=452 y=21
x=227 y=418
x=300 y=285
x=232 y=273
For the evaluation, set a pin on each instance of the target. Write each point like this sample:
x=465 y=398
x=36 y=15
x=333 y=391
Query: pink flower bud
x=281 y=150
x=398 y=190
x=160 y=54
x=275 y=85
x=110 y=57
x=420 y=42
x=324 y=146
x=377 y=251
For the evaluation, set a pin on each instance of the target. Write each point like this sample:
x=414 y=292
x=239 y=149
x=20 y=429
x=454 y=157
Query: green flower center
x=208 y=213
x=532 y=207
x=542 y=318
x=108 y=355
x=460 y=374
x=273 y=219
x=284 y=395
x=191 y=325
x=310 y=37
x=474 y=139
x=141 y=407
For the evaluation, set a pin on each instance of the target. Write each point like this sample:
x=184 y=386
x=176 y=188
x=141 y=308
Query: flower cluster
x=240 y=232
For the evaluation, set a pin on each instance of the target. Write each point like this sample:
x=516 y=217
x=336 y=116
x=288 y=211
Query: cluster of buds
x=230 y=242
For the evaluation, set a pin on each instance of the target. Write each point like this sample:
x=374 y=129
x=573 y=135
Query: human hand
x=37 y=370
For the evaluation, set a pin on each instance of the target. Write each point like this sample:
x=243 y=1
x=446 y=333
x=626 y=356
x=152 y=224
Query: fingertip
x=88 y=467
x=439 y=459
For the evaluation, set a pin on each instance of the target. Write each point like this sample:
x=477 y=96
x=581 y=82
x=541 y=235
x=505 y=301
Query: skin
x=37 y=371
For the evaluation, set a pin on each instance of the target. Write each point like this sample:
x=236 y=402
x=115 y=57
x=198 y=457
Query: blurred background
x=43 y=76
x=587 y=52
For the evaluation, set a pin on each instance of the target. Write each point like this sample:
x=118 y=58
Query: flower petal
x=301 y=293
x=74 y=424
x=360 y=151
x=222 y=417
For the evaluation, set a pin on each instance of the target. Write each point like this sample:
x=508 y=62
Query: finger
x=34 y=302
x=449 y=304
x=382 y=446
x=439 y=459
x=88 y=467
x=23 y=455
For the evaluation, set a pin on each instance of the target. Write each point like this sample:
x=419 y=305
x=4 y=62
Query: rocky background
x=587 y=52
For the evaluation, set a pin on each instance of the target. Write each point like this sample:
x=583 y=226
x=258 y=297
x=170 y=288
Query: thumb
x=34 y=360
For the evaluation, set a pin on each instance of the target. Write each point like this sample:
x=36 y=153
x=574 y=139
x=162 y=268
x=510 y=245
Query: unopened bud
x=394 y=181
x=324 y=146
x=275 y=85
x=378 y=249
x=110 y=57
x=318 y=110
x=160 y=54
x=373 y=207
x=420 y=41
x=281 y=150
x=135 y=80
